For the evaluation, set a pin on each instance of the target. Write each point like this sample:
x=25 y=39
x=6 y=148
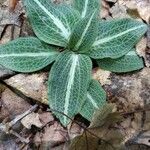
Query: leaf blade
x=130 y=62
x=84 y=34
x=86 y=6
x=96 y=98
x=116 y=38
x=49 y=23
x=27 y=55
x=68 y=82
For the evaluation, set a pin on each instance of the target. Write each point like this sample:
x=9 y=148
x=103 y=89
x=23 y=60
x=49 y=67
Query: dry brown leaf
x=141 y=47
x=46 y=117
x=104 y=13
x=74 y=130
x=98 y=139
x=12 y=4
x=99 y=117
x=33 y=85
x=131 y=4
x=5 y=72
x=130 y=91
x=84 y=142
x=143 y=7
x=142 y=138
x=31 y=119
x=7 y=17
x=111 y=1
x=12 y=105
x=148 y=37
x=51 y=135
x=102 y=76
x=119 y=11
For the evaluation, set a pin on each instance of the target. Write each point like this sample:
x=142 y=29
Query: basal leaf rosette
x=77 y=30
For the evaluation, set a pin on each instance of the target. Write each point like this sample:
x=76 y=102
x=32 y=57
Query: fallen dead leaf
x=141 y=47
x=104 y=13
x=11 y=32
x=12 y=4
x=143 y=7
x=5 y=72
x=119 y=11
x=12 y=105
x=142 y=138
x=31 y=119
x=111 y=1
x=148 y=37
x=74 y=130
x=51 y=136
x=102 y=76
x=45 y=118
x=33 y=85
x=131 y=4
x=7 y=17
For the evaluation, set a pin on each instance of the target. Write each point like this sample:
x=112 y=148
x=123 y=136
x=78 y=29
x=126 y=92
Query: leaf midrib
x=43 y=54
x=74 y=59
x=92 y=100
x=56 y=21
x=85 y=9
x=84 y=33
x=107 y=39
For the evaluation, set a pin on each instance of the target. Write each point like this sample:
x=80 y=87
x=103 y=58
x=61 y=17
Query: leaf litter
x=132 y=125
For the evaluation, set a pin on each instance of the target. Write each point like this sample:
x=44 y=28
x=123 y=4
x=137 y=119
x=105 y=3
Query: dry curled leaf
x=12 y=4
x=141 y=47
x=51 y=136
x=12 y=105
x=142 y=138
x=99 y=135
x=33 y=85
x=105 y=116
x=32 y=119
x=98 y=139
x=84 y=142
x=102 y=76
x=143 y=7
x=119 y=11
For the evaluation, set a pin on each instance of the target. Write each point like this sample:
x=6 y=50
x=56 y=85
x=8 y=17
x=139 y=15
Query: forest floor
x=25 y=118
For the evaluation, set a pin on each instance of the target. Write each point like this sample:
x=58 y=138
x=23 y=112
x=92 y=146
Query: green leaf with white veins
x=27 y=54
x=68 y=83
x=116 y=38
x=96 y=98
x=129 y=62
x=84 y=34
x=49 y=22
x=85 y=7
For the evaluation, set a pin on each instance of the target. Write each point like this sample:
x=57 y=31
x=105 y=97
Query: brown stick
x=6 y=127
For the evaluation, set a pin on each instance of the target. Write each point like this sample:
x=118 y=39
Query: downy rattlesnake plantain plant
x=83 y=36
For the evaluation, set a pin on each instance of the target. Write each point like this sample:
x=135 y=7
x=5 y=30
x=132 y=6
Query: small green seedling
x=77 y=30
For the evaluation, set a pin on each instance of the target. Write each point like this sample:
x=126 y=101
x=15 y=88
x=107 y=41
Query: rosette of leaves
x=81 y=36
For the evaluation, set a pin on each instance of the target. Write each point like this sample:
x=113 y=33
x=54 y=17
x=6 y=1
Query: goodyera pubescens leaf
x=68 y=82
x=51 y=23
x=86 y=7
x=116 y=38
x=75 y=27
x=129 y=62
x=84 y=34
x=27 y=54
x=95 y=98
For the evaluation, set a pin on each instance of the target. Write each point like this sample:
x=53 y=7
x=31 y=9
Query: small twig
x=6 y=127
x=85 y=129
x=23 y=140
x=135 y=111
x=19 y=117
x=87 y=145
